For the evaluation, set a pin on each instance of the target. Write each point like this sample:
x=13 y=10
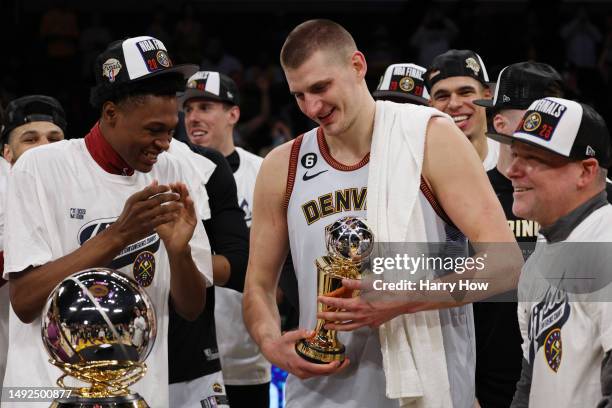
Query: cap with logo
x=210 y=85
x=136 y=59
x=33 y=108
x=567 y=128
x=518 y=85
x=403 y=83
x=454 y=63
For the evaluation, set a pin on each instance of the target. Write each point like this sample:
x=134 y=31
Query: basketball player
x=296 y=196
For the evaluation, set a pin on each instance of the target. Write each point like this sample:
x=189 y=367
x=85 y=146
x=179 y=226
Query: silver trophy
x=98 y=327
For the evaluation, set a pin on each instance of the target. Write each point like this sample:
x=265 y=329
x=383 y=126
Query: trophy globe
x=98 y=327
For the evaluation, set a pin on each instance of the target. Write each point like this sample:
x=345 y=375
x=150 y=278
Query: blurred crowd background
x=48 y=46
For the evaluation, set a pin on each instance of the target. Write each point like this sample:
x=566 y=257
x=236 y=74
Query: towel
x=412 y=348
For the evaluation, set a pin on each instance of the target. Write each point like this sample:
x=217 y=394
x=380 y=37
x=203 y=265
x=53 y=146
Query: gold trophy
x=98 y=327
x=349 y=243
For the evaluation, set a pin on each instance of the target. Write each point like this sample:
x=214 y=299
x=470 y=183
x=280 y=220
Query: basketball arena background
x=47 y=47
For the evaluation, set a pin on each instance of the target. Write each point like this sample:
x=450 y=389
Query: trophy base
x=128 y=401
x=319 y=355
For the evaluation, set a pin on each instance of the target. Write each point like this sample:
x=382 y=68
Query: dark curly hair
x=136 y=91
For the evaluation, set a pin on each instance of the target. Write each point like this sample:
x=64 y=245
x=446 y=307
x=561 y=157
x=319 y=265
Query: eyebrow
x=312 y=87
x=458 y=90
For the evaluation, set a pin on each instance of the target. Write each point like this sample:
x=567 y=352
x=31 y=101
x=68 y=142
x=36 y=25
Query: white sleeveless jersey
x=241 y=360
x=319 y=192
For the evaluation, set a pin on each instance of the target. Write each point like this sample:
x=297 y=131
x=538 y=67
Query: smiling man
x=80 y=203
x=560 y=155
x=455 y=79
x=303 y=186
x=33 y=120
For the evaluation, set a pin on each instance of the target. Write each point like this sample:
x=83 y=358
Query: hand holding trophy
x=349 y=243
x=98 y=327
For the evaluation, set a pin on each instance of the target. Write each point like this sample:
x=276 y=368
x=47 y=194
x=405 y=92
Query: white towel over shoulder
x=411 y=344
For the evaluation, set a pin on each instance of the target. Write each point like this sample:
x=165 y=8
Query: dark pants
x=249 y=396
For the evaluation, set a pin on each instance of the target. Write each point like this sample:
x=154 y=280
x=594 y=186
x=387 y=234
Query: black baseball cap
x=210 y=85
x=455 y=63
x=518 y=85
x=567 y=128
x=33 y=108
x=135 y=59
x=403 y=83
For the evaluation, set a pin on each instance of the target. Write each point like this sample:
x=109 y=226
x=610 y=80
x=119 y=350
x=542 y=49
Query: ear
x=359 y=64
x=500 y=123
x=234 y=115
x=110 y=111
x=590 y=171
x=487 y=92
x=7 y=153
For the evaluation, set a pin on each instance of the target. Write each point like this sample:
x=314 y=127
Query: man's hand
x=281 y=352
x=179 y=225
x=371 y=311
x=355 y=312
x=146 y=210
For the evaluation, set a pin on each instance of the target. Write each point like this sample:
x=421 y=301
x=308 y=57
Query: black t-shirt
x=498 y=338
x=192 y=346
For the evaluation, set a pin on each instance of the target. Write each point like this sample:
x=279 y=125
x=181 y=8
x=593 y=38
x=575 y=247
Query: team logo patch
x=553 y=349
x=192 y=84
x=543 y=118
x=309 y=160
x=217 y=387
x=144 y=268
x=532 y=122
x=406 y=84
x=111 y=68
x=163 y=59
x=472 y=64
x=98 y=290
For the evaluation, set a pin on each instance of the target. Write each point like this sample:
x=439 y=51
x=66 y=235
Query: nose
x=163 y=144
x=312 y=105
x=515 y=169
x=190 y=118
x=454 y=102
x=42 y=141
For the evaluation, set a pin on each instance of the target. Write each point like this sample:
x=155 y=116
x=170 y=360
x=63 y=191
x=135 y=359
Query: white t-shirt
x=58 y=198
x=564 y=336
x=201 y=168
x=492 y=154
x=242 y=362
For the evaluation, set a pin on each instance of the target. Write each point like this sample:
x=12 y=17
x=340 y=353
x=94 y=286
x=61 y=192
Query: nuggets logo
x=144 y=268
x=553 y=349
x=163 y=59
x=111 y=68
x=98 y=290
x=217 y=387
x=532 y=122
x=472 y=64
x=406 y=84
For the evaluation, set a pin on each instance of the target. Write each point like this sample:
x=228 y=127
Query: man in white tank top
x=305 y=185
